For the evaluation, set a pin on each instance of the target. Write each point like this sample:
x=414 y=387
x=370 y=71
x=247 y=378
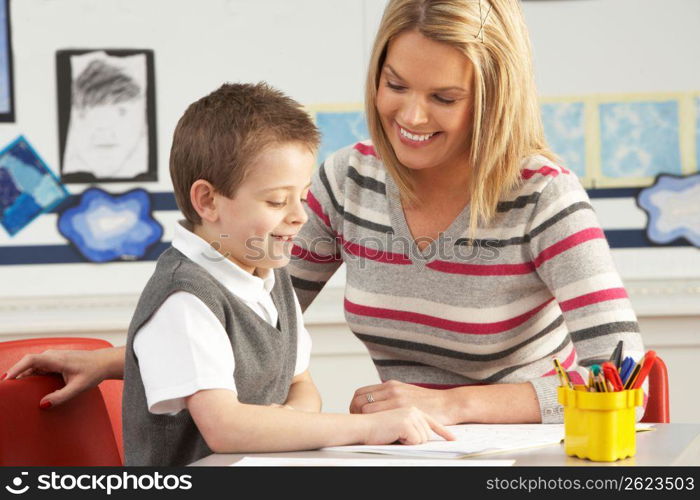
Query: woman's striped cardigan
x=537 y=283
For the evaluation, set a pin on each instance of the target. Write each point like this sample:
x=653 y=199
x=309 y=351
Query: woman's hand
x=394 y=394
x=81 y=370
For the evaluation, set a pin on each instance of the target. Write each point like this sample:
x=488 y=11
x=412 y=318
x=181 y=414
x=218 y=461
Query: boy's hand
x=405 y=425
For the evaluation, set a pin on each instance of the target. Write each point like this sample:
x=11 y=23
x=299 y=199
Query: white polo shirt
x=184 y=348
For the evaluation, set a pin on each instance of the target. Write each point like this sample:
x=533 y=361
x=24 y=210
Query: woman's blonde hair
x=507 y=125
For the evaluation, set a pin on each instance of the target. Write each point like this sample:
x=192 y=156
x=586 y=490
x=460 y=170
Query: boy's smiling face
x=255 y=228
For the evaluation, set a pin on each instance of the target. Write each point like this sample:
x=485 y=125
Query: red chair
x=76 y=433
x=658 y=409
x=111 y=390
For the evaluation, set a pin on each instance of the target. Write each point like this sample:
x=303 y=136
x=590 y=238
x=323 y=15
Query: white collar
x=239 y=282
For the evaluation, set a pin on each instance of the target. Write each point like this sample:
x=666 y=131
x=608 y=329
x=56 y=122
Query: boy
x=218 y=331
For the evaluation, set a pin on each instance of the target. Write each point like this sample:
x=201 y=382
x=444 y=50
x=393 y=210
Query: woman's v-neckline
x=433 y=250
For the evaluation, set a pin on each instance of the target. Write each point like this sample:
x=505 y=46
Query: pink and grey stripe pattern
x=536 y=283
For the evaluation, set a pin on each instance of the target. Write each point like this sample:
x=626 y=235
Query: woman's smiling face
x=424 y=102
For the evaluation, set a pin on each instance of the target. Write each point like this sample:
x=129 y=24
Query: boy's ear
x=202 y=200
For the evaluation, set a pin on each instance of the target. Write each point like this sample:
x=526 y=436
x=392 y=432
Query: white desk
x=669 y=444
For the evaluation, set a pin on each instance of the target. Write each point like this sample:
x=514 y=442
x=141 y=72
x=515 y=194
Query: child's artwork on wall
x=696 y=108
x=27 y=186
x=105 y=227
x=672 y=205
x=624 y=141
x=639 y=139
x=106 y=112
x=7 y=112
x=565 y=131
x=340 y=127
x=608 y=141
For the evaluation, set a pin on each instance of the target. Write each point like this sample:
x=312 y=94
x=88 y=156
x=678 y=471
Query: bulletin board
x=620 y=134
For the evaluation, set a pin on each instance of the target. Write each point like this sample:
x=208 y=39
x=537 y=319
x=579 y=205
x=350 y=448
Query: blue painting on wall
x=565 y=132
x=105 y=227
x=28 y=188
x=639 y=139
x=340 y=129
x=672 y=205
x=697 y=131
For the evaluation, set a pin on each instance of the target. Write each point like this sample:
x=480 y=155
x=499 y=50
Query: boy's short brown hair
x=221 y=134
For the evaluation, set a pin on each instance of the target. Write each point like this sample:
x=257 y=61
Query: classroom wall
x=316 y=50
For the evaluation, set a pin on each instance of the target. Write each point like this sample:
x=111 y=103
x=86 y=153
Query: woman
x=472 y=258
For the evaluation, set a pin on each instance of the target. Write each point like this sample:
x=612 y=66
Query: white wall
x=316 y=50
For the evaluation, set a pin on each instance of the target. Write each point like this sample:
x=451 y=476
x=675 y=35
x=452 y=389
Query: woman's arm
x=81 y=370
x=572 y=257
x=316 y=253
x=113 y=362
x=493 y=404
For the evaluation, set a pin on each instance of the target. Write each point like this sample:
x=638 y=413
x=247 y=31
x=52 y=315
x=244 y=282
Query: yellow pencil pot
x=600 y=426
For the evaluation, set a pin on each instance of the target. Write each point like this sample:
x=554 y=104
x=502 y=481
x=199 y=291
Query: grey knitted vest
x=265 y=359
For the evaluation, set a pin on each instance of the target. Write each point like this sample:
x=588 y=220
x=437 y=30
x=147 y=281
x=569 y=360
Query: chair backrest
x=12 y=351
x=658 y=409
x=76 y=433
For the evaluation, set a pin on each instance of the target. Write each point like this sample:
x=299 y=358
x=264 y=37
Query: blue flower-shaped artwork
x=565 y=132
x=340 y=129
x=672 y=205
x=105 y=227
x=639 y=139
x=28 y=188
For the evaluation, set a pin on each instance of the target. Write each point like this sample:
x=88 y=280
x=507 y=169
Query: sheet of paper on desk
x=359 y=462
x=476 y=439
